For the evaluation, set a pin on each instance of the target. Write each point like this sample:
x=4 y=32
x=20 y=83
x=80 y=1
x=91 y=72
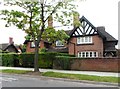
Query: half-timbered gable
x=85 y=29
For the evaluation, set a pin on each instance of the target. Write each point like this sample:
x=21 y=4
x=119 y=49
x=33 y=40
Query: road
x=9 y=80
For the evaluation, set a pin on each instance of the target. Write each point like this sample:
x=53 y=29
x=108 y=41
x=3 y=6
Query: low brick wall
x=97 y=64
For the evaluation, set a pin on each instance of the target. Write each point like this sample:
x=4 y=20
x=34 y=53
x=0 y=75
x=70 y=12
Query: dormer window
x=59 y=43
x=84 y=40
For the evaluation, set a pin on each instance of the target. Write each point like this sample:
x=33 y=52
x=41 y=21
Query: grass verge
x=82 y=77
x=68 y=76
x=15 y=71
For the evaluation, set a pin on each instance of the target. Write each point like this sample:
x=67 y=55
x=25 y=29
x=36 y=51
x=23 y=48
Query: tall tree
x=31 y=16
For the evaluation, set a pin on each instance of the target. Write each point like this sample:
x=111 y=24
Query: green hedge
x=26 y=60
x=62 y=62
x=9 y=59
x=45 y=60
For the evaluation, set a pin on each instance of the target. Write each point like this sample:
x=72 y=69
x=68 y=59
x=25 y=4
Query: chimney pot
x=11 y=40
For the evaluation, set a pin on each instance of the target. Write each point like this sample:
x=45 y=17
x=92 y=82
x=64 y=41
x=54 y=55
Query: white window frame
x=84 y=40
x=59 y=44
x=88 y=54
x=32 y=44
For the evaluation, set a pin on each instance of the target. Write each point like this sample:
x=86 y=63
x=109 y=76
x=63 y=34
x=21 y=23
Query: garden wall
x=97 y=64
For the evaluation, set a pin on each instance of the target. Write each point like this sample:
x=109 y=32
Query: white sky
x=98 y=12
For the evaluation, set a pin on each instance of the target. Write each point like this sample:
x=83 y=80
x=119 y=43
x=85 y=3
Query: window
x=32 y=44
x=59 y=43
x=84 y=40
x=88 y=54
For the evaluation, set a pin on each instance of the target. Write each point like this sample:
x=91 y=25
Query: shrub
x=27 y=60
x=45 y=60
x=10 y=59
x=62 y=62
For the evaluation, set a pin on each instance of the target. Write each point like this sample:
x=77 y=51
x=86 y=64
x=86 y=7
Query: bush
x=45 y=60
x=62 y=62
x=10 y=59
x=27 y=60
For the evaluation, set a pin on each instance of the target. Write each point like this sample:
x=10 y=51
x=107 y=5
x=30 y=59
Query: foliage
x=10 y=59
x=27 y=60
x=34 y=15
x=23 y=47
x=45 y=60
x=42 y=50
x=51 y=35
x=82 y=77
x=62 y=62
x=29 y=17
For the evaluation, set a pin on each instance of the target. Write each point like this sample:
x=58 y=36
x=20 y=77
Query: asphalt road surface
x=8 y=80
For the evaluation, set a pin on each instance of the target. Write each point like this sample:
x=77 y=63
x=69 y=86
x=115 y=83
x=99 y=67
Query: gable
x=11 y=48
x=86 y=28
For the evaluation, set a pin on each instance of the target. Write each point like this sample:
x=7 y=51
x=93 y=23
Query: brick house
x=85 y=41
x=89 y=41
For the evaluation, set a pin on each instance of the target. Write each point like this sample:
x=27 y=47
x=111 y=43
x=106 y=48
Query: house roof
x=68 y=31
x=94 y=30
x=104 y=34
x=26 y=41
x=5 y=46
x=62 y=49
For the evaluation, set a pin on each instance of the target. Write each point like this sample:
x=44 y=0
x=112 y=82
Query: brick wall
x=97 y=64
x=96 y=46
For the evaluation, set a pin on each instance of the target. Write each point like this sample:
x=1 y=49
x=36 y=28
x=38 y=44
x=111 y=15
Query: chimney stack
x=76 y=21
x=11 y=40
x=50 y=21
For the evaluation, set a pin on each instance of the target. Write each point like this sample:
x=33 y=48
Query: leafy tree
x=31 y=16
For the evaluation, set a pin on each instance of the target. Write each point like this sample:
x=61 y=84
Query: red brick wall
x=97 y=64
x=30 y=49
x=96 y=46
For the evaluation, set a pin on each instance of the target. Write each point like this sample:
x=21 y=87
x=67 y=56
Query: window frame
x=60 y=45
x=88 y=54
x=31 y=44
x=85 y=40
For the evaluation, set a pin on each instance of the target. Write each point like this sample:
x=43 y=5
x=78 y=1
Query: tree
x=32 y=17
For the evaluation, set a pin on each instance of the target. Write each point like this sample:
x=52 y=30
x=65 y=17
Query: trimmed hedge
x=46 y=60
x=26 y=60
x=9 y=59
x=62 y=62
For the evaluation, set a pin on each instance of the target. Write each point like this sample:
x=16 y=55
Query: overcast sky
x=98 y=12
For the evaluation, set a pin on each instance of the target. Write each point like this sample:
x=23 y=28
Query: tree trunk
x=36 y=67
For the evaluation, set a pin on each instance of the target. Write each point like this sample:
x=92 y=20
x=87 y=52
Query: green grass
x=15 y=71
x=68 y=76
x=82 y=77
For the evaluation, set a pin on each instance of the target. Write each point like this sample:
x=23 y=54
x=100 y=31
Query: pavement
x=110 y=74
